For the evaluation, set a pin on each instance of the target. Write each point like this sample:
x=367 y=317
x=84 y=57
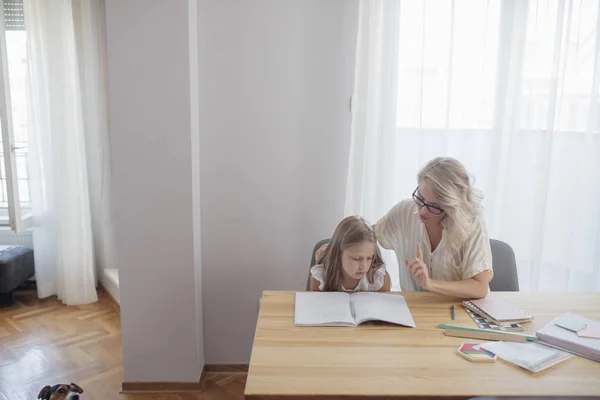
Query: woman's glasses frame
x=421 y=203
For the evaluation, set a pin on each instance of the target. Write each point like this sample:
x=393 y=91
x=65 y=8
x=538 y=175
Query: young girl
x=352 y=261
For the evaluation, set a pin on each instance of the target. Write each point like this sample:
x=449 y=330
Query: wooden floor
x=43 y=342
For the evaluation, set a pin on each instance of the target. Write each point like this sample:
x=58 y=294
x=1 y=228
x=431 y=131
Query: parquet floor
x=43 y=342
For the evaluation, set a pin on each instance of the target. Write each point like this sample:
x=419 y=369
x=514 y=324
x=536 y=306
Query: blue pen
x=452 y=312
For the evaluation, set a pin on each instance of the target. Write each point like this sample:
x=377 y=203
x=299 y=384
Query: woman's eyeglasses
x=421 y=203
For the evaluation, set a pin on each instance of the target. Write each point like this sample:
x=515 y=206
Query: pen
x=452 y=312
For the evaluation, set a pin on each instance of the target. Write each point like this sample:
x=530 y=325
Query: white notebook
x=532 y=356
x=344 y=309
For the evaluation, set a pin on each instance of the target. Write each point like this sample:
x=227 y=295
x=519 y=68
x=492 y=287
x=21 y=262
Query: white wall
x=150 y=123
x=275 y=82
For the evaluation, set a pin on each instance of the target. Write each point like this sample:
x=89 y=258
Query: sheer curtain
x=511 y=89
x=68 y=119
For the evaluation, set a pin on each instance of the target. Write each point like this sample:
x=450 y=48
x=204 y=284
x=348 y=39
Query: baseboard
x=161 y=387
x=203 y=376
x=110 y=282
x=227 y=368
x=114 y=302
x=175 y=387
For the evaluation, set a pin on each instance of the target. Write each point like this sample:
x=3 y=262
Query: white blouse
x=401 y=229
x=318 y=272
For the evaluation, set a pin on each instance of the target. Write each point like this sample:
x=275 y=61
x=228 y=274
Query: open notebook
x=343 y=309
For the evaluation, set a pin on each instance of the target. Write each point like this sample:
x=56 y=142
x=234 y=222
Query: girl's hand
x=319 y=253
x=419 y=270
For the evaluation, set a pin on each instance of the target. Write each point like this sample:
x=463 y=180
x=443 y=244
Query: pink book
x=556 y=335
x=499 y=310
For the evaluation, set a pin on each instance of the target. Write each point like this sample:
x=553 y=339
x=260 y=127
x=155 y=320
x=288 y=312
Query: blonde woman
x=439 y=235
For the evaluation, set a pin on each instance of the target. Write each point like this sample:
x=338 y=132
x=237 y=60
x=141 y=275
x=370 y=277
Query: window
x=454 y=56
x=558 y=66
x=447 y=64
x=15 y=200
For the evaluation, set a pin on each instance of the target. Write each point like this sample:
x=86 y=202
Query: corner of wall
x=195 y=149
x=109 y=279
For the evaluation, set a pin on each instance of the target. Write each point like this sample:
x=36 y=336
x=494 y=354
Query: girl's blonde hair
x=450 y=182
x=350 y=231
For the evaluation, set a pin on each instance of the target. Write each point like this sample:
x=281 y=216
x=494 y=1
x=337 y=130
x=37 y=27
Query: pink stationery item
x=498 y=310
x=591 y=332
x=555 y=335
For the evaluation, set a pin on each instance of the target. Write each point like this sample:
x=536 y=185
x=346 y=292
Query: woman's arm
x=319 y=253
x=475 y=288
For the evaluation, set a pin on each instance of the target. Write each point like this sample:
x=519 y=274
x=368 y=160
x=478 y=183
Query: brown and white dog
x=60 y=392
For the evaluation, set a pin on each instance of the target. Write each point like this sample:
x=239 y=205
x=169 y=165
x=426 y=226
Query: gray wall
x=275 y=82
x=270 y=150
x=151 y=161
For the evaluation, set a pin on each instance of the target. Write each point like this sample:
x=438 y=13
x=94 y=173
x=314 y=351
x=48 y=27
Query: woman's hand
x=419 y=269
x=319 y=253
x=475 y=288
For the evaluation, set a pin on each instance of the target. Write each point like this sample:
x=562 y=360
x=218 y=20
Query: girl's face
x=429 y=209
x=357 y=259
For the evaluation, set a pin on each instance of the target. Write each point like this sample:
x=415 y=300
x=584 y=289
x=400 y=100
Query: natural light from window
x=16 y=46
x=453 y=68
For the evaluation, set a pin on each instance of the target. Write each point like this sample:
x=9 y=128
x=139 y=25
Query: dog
x=60 y=392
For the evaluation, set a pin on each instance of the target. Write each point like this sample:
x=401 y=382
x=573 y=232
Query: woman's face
x=425 y=197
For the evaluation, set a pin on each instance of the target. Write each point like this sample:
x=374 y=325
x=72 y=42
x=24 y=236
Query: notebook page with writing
x=323 y=309
x=381 y=307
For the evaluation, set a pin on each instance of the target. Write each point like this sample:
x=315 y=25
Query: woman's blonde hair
x=450 y=182
x=350 y=231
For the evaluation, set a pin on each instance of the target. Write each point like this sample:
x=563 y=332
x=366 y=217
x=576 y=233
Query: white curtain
x=510 y=88
x=68 y=119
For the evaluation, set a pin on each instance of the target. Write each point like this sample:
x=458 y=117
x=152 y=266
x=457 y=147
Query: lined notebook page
x=323 y=309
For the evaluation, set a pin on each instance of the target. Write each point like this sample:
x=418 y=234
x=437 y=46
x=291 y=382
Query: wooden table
x=393 y=362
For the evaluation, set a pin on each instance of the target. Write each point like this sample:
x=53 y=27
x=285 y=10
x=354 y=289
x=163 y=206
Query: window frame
x=18 y=220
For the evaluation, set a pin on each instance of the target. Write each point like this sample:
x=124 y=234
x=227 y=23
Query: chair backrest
x=504 y=264
x=312 y=260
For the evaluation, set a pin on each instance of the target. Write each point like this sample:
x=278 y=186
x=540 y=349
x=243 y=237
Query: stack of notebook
x=531 y=356
x=498 y=311
x=573 y=333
